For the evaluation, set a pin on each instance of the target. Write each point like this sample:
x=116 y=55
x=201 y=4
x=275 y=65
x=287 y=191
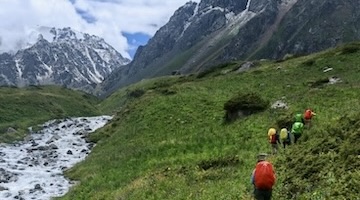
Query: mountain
x=201 y=35
x=62 y=57
x=169 y=138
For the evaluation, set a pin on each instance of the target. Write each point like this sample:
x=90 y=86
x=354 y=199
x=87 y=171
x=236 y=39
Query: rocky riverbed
x=33 y=168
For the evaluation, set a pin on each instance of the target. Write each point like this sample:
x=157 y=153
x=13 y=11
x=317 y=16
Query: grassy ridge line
x=24 y=107
x=175 y=145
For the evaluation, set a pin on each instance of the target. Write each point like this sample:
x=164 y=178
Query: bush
x=319 y=82
x=244 y=105
x=212 y=69
x=309 y=62
x=285 y=121
x=136 y=93
x=219 y=163
x=350 y=49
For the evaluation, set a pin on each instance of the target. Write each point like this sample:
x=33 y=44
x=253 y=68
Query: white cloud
x=109 y=18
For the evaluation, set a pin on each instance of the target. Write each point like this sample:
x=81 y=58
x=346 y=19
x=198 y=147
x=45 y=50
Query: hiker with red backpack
x=263 y=178
x=273 y=140
x=308 y=115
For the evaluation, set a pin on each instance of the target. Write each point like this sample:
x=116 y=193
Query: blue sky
x=124 y=24
x=135 y=40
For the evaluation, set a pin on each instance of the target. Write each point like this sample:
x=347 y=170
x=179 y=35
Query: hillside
x=25 y=107
x=169 y=139
x=202 y=35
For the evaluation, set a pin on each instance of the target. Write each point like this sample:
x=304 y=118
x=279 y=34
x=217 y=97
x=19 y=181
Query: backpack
x=264 y=176
x=273 y=139
x=284 y=134
x=297 y=128
x=308 y=114
x=271 y=131
x=298 y=118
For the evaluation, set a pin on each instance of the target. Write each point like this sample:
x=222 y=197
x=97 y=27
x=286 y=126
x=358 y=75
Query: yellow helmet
x=272 y=131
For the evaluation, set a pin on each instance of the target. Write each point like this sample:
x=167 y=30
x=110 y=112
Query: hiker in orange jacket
x=263 y=178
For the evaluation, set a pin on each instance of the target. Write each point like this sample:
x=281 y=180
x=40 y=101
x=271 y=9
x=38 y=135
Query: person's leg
x=258 y=195
x=267 y=194
x=296 y=137
x=263 y=194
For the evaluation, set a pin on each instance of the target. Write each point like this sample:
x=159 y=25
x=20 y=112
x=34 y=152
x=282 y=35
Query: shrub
x=319 y=82
x=220 y=162
x=285 y=121
x=167 y=91
x=243 y=105
x=350 y=49
x=136 y=93
x=309 y=62
x=212 y=69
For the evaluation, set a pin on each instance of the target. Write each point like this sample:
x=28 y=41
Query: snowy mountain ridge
x=60 y=56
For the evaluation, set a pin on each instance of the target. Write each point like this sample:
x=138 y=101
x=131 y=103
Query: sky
x=124 y=24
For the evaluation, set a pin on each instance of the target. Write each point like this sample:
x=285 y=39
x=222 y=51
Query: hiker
x=296 y=130
x=273 y=140
x=263 y=178
x=308 y=114
x=299 y=118
x=285 y=137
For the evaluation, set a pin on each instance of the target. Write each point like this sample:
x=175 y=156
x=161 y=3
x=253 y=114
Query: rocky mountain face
x=62 y=57
x=201 y=35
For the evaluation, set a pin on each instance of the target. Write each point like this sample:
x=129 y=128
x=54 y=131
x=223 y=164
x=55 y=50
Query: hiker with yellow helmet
x=285 y=137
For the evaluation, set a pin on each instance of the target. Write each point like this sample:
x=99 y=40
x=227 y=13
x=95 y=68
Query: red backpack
x=273 y=139
x=264 y=176
x=308 y=114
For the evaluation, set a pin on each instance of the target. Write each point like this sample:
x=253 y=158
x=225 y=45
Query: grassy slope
x=175 y=146
x=21 y=108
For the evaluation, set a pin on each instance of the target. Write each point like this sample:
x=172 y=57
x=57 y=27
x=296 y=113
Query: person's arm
x=252 y=179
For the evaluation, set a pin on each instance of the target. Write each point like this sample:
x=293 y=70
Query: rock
x=245 y=67
x=53 y=146
x=334 y=79
x=11 y=130
x=6 y=176
x=327 y=69
x=69 y=152
x=279 y=104
x=3 y=188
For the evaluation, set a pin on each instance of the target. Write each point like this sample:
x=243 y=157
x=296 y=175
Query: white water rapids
x=33 y=169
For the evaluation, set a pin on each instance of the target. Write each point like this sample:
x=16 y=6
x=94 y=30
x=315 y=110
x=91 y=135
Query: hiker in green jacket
x=299 y=118
x=297 y=129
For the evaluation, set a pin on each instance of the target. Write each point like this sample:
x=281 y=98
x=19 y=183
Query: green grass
x=169 y=140
x=25 y=107
x=177 y=146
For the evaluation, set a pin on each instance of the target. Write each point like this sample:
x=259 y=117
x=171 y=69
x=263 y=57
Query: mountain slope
x=62 y=57
x=30 y=106
x=199 y=36
x=169 y=140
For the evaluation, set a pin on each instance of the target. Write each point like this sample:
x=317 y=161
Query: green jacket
x=297 y=128
x=298 y=118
